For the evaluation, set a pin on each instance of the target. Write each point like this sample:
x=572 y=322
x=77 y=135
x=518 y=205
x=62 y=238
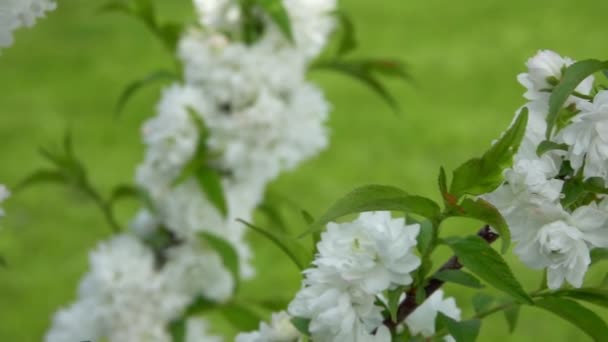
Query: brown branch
x=409 y=304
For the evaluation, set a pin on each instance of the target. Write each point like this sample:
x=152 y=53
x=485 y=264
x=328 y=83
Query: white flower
x=20 y=13
x=79 y=322
x=587 y=137
x=530 y=181
x=4 y=194
x=131 y=299
x=422 y=320
x=279 y=330
x=375 y=251
x=544 y=65
x=218 y=14
x=338 y=312
x=549 y=237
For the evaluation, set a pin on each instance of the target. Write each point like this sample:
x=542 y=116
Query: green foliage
x=69 y=170
x=482 y=175
x=476 y=255
x=547 y=145
x=511 y=315
x=290 y=246
x=348 y=38
x=144 y=10
x=368 y=72
x=571 y=78
x=208 y=179
x=463 y=331
x=379 y=197
x=484 y=211
x=459 y=277
x=132 y=88
x=241 y=317
x=278 y=14
x=302 y=324
x=481 y=302
x=597 y=296
x=229 y=256
x=599 y=254
x=581 y=317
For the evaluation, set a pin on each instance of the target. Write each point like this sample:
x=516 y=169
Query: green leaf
x=307 y=217
x=211 y=184
x=296 y=252
x=125 y=191
x=547 y=145
x=572 y=77
x=116 y=6
x=41 y=176
x=463 y=331
x=425 y=236
x=229 y=256
x=477 y=256
x=459 y=277
x=133 y=87
x=590 y=295
x=482 y=175
x=379 y=197
x=599 y=254
x=241 y=317
x=348 y=41
x=363 y=72
x=200 y=305
x=512 y=316
x=393 y=297
x=482 y=302
x=484 y=211
x=177 y=329
x=302 y=324
x=278 y=14
x=580 y=316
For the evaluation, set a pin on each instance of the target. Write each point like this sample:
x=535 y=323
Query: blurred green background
x=68 y=71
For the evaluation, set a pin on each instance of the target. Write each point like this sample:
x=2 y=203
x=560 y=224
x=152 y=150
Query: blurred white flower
x=197 y=330
x=280 y=329
x=4 y=194
x=422 y=320
x=20 y=13
x=130 y=299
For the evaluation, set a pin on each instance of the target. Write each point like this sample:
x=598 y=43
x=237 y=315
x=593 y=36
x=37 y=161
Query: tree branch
x=409 y=305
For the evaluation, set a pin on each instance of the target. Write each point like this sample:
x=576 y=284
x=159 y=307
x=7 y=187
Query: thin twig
x=409 y=305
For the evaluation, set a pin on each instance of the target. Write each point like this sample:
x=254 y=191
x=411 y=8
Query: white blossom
x=356 y=262
x=20 y=13
x=4 y=194
x=549 y=237
x=544 y=65
x=375 y=251
x=422 y=320
x=587 y=137
x=197 y=330
x=280 y=329
x=338 y=311
x=131 y=299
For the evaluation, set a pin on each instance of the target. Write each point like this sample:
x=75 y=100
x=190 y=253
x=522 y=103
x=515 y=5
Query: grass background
x=69 y=69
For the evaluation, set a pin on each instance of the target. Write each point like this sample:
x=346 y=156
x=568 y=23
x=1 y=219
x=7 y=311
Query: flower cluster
x=260 y=117
x=555 y=225
x=357 y=262
x=20 y=13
